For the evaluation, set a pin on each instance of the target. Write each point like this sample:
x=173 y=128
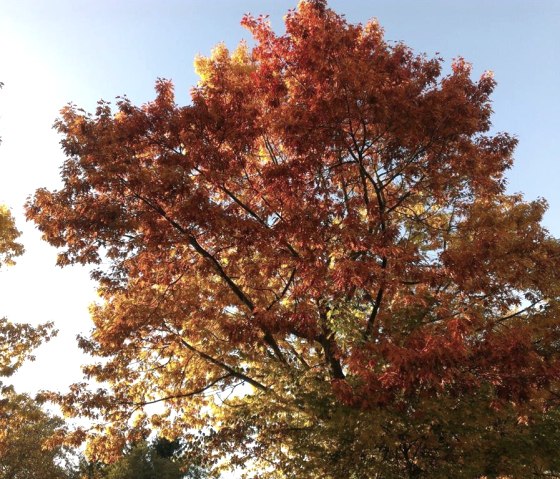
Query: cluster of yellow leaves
x=17 y=341
x=9 y=247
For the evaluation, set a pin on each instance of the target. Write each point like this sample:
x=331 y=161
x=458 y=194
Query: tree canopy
x=314 y=265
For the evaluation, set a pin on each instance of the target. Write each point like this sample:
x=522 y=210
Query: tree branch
x=194 y=392
x=374 y=311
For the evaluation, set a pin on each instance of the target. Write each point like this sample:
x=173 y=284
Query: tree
x=315 y=263
x=24 y=427
x=25 y=430
x=157 y=459
x=17 y=340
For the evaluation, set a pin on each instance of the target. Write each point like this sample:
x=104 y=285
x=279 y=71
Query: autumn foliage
x=9 y=246
x=314 y=266
x=24 y=427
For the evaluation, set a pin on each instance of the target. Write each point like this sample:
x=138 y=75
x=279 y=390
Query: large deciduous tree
x=315 y=262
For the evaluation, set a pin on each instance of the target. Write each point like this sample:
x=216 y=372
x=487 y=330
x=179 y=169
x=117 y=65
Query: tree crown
x=326 y=225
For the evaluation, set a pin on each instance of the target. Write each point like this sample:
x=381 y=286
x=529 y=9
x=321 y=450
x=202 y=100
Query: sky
x=59 y=51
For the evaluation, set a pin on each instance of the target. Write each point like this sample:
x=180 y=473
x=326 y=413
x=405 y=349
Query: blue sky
x=76 y=50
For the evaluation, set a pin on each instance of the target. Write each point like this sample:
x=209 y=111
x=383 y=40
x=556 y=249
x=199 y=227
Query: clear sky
x=57 y=51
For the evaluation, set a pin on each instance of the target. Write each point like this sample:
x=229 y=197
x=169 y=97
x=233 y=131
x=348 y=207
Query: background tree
x=25 y=430
x=316 y=261
x=16 y=340
x=24 y=426
x=159 y=459
x=156 y=459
